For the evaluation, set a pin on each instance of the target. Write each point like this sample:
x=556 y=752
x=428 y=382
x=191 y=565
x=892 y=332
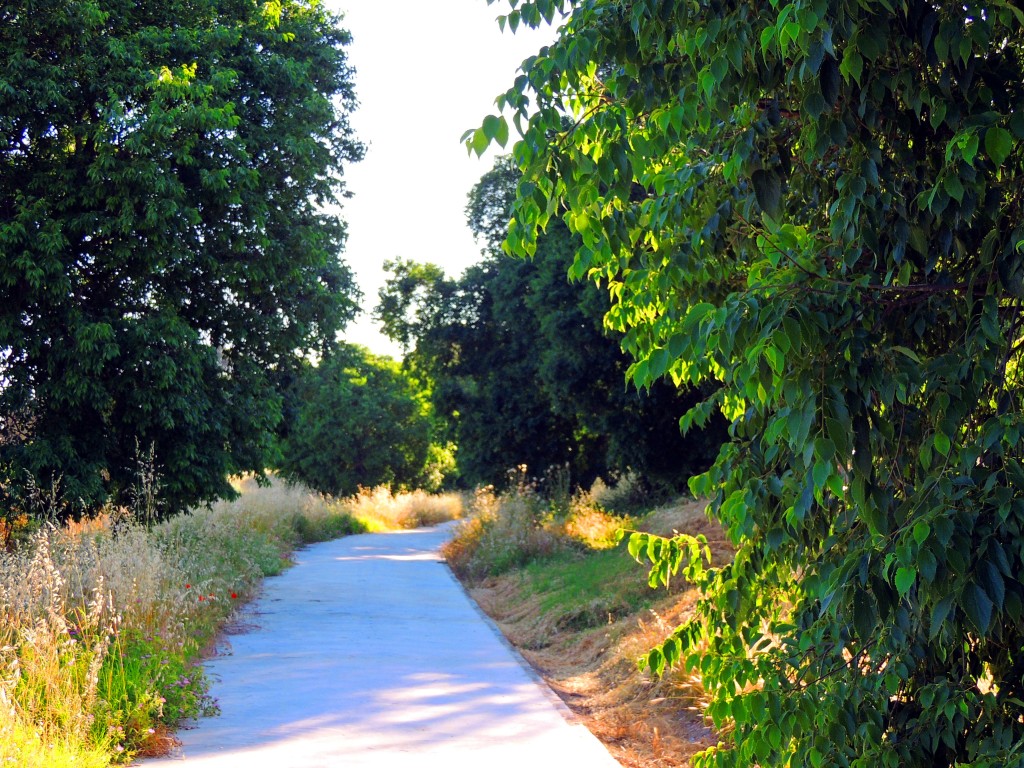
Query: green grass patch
x=582 y=590
x=328 y=527
x=24 y=746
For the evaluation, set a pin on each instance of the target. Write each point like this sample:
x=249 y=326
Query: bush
x=510 y=530
x=358 y=420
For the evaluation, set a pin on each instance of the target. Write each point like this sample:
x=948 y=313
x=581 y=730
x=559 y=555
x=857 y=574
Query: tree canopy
x=165 y=253
x=358 y=421
x=521 y=367
x=818 y=205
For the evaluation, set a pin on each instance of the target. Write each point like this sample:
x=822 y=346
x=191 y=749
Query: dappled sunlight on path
x=368 y=653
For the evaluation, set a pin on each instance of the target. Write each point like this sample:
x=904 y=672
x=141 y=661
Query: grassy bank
x=579 y=608
x=102 y=624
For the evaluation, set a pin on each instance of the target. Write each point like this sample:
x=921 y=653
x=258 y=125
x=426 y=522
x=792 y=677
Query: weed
x=629 y=494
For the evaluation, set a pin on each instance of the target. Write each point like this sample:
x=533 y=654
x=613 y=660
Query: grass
x=101 y=632
x=580 y=610
x=588 y=590
x=378 y=509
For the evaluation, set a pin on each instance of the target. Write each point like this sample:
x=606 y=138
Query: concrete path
x=368 y=654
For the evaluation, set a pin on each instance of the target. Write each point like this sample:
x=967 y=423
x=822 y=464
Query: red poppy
x=201 y=598
x=188 y=586
x=234 y=596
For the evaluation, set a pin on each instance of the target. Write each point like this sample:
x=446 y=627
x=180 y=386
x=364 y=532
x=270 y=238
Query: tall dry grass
x=510 y=529
x=101 y=624
x=379 y=509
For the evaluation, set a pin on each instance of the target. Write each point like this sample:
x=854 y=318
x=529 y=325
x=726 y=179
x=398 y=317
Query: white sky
x=425 y=73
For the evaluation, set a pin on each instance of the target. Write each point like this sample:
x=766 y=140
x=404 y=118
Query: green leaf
x=501 y=135
x=852 y=66
x=905 y=578
x=637 y=544
x=998 y=144
x=864 y=615
x=656 y=662
x=658 y=363
x=994 y=585
x=927 y=566
x=939 y=613
x=907 y=353
x=768 y=191
x=921 y=531
x=829 y=81
x=978 y=607
x=480 y=141
x=954 y=187
x=814 y=104
x=490 y=126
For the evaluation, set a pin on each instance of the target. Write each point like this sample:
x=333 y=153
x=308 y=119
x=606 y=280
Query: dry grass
x=86 y=610
x=645 y=722
x=502 y=532
x=375 y=509
x=380 y=509
x=591 y=525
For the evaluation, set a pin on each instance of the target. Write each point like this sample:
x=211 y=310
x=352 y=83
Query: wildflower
x=234 y=595
x=188 y=586
x=201 y=598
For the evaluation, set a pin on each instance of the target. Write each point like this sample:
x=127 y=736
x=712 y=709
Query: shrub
x=503 y=532
x=358 y=420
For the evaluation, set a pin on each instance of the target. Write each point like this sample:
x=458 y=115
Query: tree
x=165 y=253
x=359 y=421
x=523 y=368
x=818 y=206
x=478 y=354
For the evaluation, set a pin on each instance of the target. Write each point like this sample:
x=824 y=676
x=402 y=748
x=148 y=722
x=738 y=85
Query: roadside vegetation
x=812 y=215
x=103 y=622
x=579 y=608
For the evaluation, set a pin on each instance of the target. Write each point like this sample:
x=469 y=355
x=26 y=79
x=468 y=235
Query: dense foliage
x=522 y=368
x=357 y=420
x=164 y=254
x=817 y=204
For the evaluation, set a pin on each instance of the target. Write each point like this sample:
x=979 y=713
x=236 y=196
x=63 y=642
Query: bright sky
x=425 y=73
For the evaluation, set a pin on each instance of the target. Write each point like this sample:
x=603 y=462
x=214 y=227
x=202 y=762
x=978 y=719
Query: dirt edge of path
x=644 y=722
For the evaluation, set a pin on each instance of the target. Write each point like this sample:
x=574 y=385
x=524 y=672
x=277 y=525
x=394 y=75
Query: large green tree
x=817 y=204
x=165 y=251
x=523 y=368
x=358 y=421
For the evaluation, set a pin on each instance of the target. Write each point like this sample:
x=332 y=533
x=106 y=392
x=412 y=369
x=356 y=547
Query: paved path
x=368 y=654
